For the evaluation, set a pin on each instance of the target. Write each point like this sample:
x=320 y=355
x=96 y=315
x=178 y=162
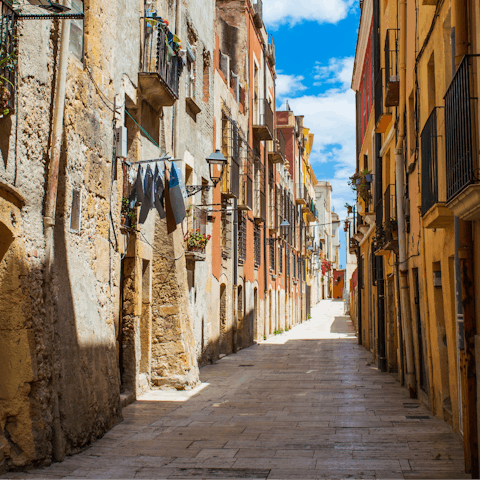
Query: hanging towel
x=147 y=195
x=136 y=195
x=158 y=192
x=175 y=204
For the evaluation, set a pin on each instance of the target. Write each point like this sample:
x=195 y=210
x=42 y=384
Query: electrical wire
x=160 y=253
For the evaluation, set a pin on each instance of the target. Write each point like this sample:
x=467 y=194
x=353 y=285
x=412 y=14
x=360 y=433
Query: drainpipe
x=465 y=294
x=49 y=218
x=400 y=177
x=265 y=162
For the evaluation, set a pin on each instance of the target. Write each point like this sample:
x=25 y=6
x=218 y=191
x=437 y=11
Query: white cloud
x=288 y=85
x=338 y=70
x=331 y=118
x=278 y=12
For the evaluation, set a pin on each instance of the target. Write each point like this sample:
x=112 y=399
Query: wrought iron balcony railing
x=429 y=163
x=161 y=66
x=392 y=79
x=258 y=10
x=301 y=194
x=264 y=129
x=277 y=153
x=461 y=159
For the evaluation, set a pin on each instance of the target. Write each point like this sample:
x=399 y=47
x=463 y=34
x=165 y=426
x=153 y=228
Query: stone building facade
x=97 y=303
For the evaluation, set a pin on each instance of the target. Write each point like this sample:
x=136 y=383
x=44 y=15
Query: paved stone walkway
x=305 y=404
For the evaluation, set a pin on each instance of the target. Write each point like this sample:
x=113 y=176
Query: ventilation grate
x=417 y=417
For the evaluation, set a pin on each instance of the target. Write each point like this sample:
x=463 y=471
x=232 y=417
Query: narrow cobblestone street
x=308 y=403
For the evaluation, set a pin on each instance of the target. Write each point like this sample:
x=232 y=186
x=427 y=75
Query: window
x=190 y=77
x=272 y=242
x=76 y=211
x=280 y=259
x=206 y=76
x=242 y=237
x=257 y=245
x=76 y=31
x=226 y=229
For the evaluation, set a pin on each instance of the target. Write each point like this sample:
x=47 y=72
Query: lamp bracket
x=193 y=189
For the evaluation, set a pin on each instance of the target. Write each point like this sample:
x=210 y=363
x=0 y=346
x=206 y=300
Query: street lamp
x=214 y=160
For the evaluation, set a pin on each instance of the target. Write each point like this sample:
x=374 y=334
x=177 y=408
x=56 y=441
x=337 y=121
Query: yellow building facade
x=417 y=229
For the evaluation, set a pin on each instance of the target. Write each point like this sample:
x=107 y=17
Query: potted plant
x=197 y=241
x=8 y=61
x=128 y=215
x=349 y=208
x=360 y=183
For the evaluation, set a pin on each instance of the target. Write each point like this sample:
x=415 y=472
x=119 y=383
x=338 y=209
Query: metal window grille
x=259 y=191
x=429 y=163
x=231 y=150
x=287 y=261
x=271 y=242
x=8 y=59
x=280 y=259
x=257 y=245
x=459 y=140
x=378 y=98
x=157 y=56
x=242 y=237
x=226 y=230
x=246 y=158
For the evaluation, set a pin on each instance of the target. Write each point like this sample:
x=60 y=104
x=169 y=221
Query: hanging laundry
x=159 y=192
x=174 y=203
x=136 y=195
x=147 y=203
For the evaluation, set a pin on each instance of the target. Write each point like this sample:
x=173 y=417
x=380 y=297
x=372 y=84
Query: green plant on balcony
x=360 y=183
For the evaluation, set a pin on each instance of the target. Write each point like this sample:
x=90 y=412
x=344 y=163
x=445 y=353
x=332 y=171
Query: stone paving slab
x=311 y=404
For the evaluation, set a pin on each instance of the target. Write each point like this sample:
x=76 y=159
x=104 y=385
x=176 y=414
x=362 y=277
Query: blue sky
x=315 y=46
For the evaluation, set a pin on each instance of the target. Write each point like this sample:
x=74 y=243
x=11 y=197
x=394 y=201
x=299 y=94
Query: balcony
x=300 y=194
x=8 y=59
x=463 y=189
x=277 y=153
x=264 y=128
x=161 y=66
x=387 y=231
x=258 y=13
x=352 y=246
x=382 y=117
x=435 y=214
x=259 y=201
x=271 y=50
x=392 y=80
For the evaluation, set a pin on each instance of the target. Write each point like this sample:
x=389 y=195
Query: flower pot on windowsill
x=196 y=249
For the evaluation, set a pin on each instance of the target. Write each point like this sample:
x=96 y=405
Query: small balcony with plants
x=161 y=65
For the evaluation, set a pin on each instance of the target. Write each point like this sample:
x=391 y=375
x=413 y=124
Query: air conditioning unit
x=437 y=279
